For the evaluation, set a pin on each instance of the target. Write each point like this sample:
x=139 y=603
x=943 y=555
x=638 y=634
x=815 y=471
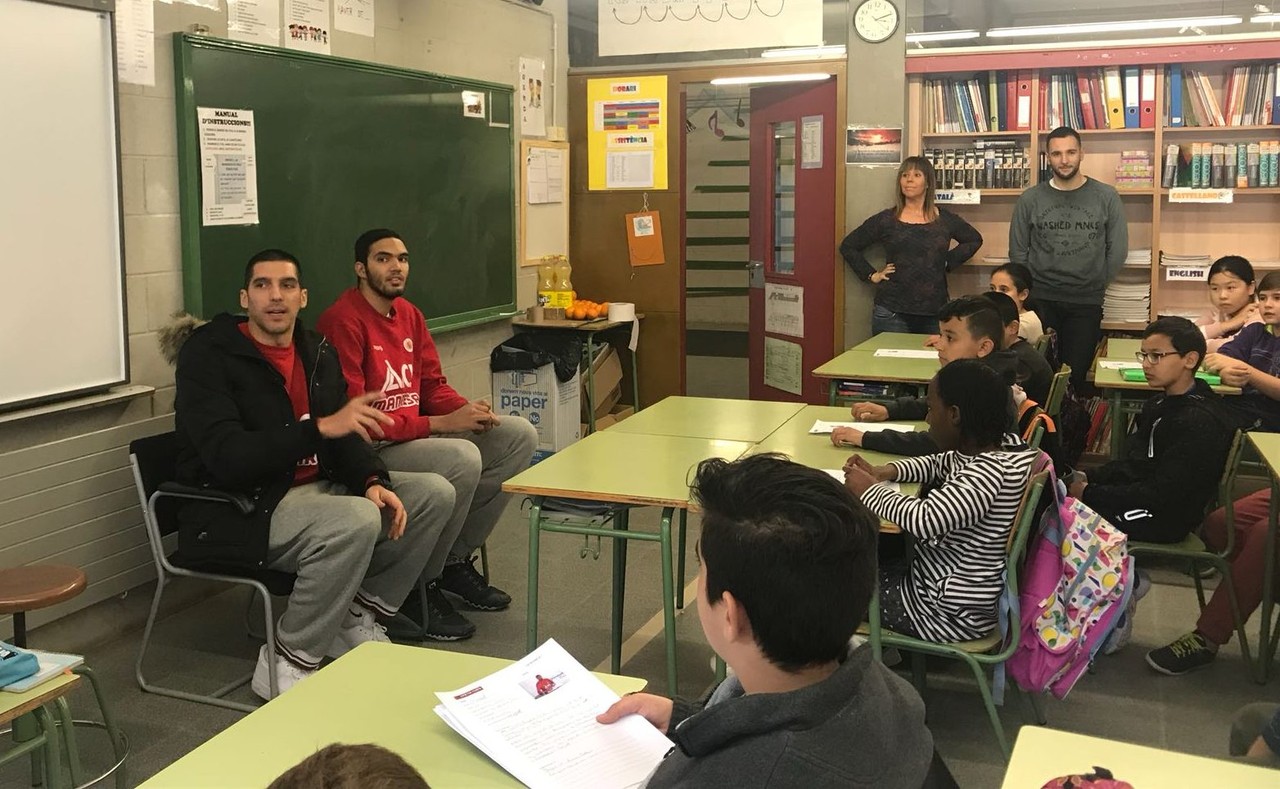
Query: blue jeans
x=884 y=319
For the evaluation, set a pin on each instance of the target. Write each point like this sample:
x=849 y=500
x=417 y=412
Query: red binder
x=1147 y=99
x=1086 y=100
x=1024 y=100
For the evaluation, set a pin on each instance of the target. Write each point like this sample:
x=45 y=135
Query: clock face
x=875 y=20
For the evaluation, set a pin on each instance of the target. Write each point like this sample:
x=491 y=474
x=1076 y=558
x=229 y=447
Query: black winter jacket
x=237 y=433
x=1171 y=464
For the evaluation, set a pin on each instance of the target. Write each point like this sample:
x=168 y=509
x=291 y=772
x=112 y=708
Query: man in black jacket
x=261 y=411
x=1158 y=489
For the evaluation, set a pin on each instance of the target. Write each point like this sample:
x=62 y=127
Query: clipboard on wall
x=544 y=201
x=644 y=238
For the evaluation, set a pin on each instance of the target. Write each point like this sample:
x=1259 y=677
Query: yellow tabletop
x=379 y=693
x=709 y=417
x=891 y=339
x=862 y=365
x=627 y=468
x=1042 y=754
x=1121 y=348
x=13 y=705
x=815 y=449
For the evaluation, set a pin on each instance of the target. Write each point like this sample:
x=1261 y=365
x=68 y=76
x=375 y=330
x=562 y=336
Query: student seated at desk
x=1034 y=374
x=383 y=342
x=1252 y=361
x=262 y=411
x=1158 y=489
x=1231 y=286
x=969 y=498
x=800 y=709
x=970 y=329
x=1014 y=280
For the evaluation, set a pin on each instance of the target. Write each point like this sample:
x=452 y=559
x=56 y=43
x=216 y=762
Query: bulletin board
x=627 y=133
x=544 y=200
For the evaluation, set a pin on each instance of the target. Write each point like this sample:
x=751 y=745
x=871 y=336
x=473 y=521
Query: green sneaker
x=1186 y=654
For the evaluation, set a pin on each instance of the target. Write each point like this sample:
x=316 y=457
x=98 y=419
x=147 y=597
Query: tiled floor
x=206 y=645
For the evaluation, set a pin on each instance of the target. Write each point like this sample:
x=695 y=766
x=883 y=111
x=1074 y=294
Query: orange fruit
x=604 y=308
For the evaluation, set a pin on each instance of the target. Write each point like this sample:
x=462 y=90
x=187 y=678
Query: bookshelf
x=1249 y=225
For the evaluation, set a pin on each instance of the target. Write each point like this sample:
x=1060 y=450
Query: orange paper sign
x=644 y=238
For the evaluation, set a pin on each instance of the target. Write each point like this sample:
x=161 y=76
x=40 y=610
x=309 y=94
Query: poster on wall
x=306 y=25
x=627 y=133
x=254 y=21
x=354 y=16
x=136 y=42
x=783 y=365
x=228 y=167
x=533 y=115
x=640 y=27
x=873 y=145
x=784 y=309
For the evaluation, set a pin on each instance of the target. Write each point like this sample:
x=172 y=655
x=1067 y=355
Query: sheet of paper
x=1118 y=364
x=354 y=16
x=535 y=176
x=907 y=353
x=867 y=427
x=306 y=25
x=533 y=115
x=537 y=719
x=629 y=169
x=555 y=175
x=254 y=21
x=228 y=167
x=811 y=142
x=838 y=473
x=136 y=42
x=784 y=309
x=783 y=365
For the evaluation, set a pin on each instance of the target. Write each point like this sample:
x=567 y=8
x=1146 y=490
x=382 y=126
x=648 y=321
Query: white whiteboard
x=62 y=324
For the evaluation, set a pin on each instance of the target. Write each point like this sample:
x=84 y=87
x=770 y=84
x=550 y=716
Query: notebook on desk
x=1137 y=375
x=51 y=665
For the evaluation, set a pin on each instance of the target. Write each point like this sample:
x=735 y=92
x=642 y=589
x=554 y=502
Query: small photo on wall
x=881 y=145
x=473 y=104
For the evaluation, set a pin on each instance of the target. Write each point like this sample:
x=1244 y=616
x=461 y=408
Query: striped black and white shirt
x=961 y=522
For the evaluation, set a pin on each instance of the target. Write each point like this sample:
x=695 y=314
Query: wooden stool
x=35 y=586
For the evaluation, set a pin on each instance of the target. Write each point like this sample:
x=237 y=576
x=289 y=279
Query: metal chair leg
x=684 y=517
x=52 y=749
x=67 y=728
x=119 y=744
x=621 y=523
x=992 y=713
x=535 y=534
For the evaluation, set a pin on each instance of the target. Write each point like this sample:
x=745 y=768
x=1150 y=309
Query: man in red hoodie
x=384 y=345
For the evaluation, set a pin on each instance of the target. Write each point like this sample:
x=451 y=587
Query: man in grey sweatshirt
x=788 y=561
x=1071 y=232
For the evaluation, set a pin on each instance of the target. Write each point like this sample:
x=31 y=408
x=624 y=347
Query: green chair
x=1042 y=344
x=994 y=649
x=1192 y=548
x=1037 y=435
x=1057 y=391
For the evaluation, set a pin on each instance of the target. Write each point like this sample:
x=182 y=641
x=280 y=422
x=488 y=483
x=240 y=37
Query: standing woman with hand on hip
x=917 y=238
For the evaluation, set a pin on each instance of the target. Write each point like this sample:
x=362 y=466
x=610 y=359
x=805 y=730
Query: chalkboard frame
x=191 y=229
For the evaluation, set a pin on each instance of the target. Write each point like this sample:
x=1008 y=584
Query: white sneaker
x=358 y=627
x=287 y=675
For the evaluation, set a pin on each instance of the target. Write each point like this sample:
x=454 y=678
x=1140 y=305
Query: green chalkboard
x=343 y=146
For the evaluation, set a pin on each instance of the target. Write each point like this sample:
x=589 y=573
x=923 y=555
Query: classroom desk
x=892 y=339
x=1117 y=388
x=710 y=417
x=620 y=468
x=379 y=693
x=863 y=365
x=1042 y=754
x=1268 y=447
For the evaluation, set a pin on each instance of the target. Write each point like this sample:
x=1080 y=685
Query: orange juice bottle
x=562 y=293
x=546 y=282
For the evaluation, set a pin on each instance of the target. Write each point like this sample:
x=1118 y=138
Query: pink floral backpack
x=1076 y=585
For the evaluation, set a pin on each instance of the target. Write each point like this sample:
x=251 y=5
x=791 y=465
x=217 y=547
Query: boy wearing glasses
x=1168 y=473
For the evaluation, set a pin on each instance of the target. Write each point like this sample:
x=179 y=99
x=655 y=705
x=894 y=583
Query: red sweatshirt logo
x=398 y=380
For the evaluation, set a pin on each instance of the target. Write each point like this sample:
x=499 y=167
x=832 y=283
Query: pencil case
x=1136 y=375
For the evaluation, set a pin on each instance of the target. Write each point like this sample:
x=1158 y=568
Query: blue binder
x=1131 y=97
x=1175 y=96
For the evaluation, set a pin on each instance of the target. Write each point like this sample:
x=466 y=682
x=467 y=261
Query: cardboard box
x=606 y=382
x=550 y=406
x=618 y=414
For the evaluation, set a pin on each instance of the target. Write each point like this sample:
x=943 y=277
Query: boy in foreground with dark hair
x=801 y=709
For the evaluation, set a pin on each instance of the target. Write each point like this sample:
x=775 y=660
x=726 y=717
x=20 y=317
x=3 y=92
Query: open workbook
x=537 y=719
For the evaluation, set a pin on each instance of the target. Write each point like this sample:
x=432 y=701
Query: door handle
x=755 y=274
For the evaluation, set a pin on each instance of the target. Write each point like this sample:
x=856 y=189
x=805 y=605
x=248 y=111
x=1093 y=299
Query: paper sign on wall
x=136 y=42
x=643 y=27
x=627 y=136
x=783 y=365
x=644 y=238
x=306 y=24
x=784 y=309
x=354 y=16
x=254 y=21
x=533 y=116
x=228 y=167
x=811 y=142
x=544 y=176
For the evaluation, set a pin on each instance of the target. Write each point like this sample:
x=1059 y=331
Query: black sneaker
x=444 y=623
x=466 y=582
x=1186 y=654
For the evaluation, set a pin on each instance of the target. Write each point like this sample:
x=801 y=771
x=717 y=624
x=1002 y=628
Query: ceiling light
x=1113 y=27
x=942 y=35
x=759 y=80
x=834 y=50
x=1263 y=19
